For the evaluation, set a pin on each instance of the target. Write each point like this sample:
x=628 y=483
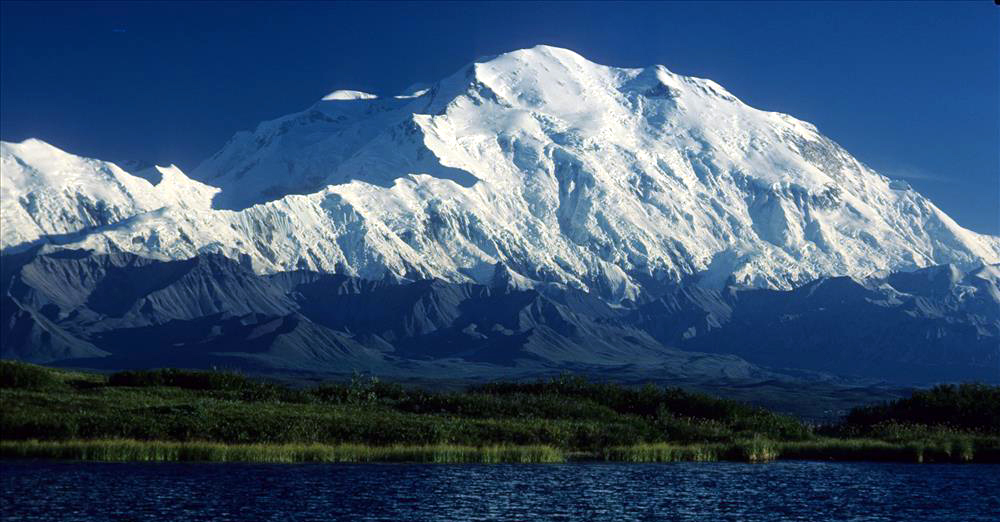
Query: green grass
x=750 y=450
x=665 y=452
x=960 y=449
x=188 y=415
x=159 y=451
x=17 y=375
x=740 y=451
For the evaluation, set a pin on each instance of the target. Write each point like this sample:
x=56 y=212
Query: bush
x=26 y=376
x=187 y=379
x=243 y=388
x=359 y=391
x=973 y=407
x=671 y=407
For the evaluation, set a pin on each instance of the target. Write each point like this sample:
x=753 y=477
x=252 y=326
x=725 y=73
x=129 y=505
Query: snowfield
x=537 y=165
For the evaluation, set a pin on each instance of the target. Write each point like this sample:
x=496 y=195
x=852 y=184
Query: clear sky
x=912 y=89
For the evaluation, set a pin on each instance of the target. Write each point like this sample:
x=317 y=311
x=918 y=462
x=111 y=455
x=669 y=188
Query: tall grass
x=161 y=451
x=757 y=449
x=754 y=450
x=751 y=450
x=961 y=449
x=849 y=450
x=664 y=452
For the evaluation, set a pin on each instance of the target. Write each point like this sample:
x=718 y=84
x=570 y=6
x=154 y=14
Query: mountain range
x=533 y=212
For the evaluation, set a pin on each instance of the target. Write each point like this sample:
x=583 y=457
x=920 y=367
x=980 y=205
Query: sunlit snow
x=557 y=168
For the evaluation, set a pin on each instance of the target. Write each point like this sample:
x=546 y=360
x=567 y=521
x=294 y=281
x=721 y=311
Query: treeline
x=569 y=414
x=968 y=407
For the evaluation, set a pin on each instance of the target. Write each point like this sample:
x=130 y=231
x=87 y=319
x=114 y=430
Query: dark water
x=813 y=491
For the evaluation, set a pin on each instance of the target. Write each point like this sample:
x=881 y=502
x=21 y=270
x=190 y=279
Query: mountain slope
x=120 y=310
x=123 y=311
x=933 y=324
x=618 y=181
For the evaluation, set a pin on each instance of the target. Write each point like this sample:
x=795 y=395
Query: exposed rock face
x=935 y=324
x=120 y=310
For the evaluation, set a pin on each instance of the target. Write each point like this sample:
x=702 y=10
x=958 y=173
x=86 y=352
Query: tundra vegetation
x=171 y=414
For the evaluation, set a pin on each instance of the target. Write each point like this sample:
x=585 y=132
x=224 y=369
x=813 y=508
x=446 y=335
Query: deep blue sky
x=910 y=89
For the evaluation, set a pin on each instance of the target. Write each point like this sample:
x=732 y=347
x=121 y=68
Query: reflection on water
x=813 y=491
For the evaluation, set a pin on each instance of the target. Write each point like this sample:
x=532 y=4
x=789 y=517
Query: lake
x=88 y=491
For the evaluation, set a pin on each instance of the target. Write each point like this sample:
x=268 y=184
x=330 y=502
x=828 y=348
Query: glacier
x=535 y=165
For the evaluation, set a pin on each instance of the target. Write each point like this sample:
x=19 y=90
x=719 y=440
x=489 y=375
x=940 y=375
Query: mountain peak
x=621 y=181
x=34 y=149
x=547 y=51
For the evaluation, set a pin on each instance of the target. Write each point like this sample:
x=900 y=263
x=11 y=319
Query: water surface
x=813 y=491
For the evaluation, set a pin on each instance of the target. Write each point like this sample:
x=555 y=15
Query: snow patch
x=345 y=95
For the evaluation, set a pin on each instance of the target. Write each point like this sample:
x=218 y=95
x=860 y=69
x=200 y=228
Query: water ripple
x=784 y=491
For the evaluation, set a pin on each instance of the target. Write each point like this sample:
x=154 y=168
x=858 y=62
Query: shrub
x=187 y=379
x=966 y=406
x=26 y=376
x=242 y=387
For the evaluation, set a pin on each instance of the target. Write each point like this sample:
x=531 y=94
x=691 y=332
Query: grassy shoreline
x=172 y=451
x=180 y=415
x=125 y=450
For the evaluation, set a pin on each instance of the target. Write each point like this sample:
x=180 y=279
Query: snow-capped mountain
x=47 y=193
x=537 y=163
